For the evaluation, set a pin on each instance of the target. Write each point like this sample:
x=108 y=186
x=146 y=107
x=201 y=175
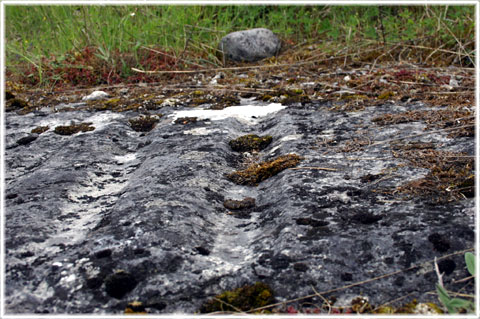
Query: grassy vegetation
x=44 y=43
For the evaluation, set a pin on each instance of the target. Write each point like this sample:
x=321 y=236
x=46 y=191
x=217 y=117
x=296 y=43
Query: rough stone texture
x=250 y=45
x=84 y=207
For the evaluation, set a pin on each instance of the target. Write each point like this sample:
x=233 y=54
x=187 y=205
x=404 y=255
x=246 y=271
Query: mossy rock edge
x=241 y=299
x=256 y=173
x=250 y=142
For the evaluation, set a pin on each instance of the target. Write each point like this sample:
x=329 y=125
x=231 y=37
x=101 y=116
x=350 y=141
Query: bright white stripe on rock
x=245 y=113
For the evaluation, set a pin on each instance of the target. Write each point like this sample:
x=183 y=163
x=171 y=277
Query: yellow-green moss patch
x=386 y=95
x=250 y=142
x=258 y=172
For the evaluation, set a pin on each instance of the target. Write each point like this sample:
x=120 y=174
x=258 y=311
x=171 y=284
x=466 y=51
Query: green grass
x=40 y=35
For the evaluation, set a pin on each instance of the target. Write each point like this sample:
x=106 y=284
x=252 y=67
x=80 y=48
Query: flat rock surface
x=82 y=210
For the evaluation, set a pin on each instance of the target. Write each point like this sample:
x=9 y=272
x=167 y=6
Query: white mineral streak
x=244 y=113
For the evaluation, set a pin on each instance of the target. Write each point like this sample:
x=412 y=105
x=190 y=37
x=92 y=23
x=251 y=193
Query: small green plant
x=457 y=305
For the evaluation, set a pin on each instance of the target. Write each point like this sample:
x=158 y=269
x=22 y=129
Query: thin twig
x=434 y=292
x=434 y=50
x=323 y=298
x=229 y=305
x=463 y=279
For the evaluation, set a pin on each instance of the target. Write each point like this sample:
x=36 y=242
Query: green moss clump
x=384 y=310
x=256 y=173
x=40 y=129
x=296 y=91
x=296 y=99
x=241 y=299
x=412 y=307
x=295 y=96
x=73 y=128
x=408 y=308
x=266 y=97
x=250 y=142
x=386 y=95
x=361 y=305
x=112 y=103
x=143 y=123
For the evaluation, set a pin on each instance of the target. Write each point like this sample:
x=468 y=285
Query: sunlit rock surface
x=101 y=218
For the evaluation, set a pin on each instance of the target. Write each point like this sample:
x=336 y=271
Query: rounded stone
x=250 y=45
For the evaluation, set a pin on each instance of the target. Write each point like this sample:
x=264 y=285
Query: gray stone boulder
x=249 y=45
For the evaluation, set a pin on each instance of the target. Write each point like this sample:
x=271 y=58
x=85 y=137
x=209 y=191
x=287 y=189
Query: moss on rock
x=143 y=123
x=247 y=202
x=225 y=101
x=250 y=142
x=40 y=129
x=73 y=128
x=241 y=299
x=256 y=173
x=386 y=95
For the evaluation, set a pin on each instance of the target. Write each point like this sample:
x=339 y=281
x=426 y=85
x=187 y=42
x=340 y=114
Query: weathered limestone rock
x=250 y=45
x=112 y=220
